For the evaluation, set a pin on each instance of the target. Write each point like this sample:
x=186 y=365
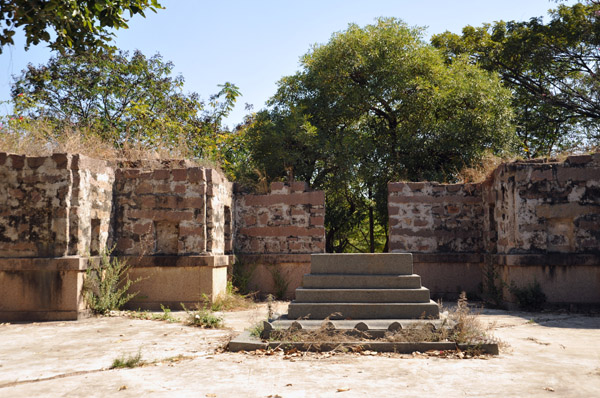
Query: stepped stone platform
x=362 y=286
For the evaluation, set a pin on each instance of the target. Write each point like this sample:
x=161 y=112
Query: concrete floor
x=548 y=355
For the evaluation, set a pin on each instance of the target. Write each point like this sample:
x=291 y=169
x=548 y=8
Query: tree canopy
x=122 y=99
x=373 y=105
x=552 y=69
x=68 y=24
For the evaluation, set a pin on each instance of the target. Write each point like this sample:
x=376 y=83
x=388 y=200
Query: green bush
x=107 y=284
x=530 y=297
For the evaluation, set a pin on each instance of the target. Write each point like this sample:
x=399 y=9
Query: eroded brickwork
x=288 y=220
x=432 y=218
x=547 y=207
x=53 y=206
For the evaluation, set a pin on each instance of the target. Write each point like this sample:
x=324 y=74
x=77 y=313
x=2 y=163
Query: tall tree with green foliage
x=373 y=105
x=122 y=99
x=68 y=24
x=552 y=69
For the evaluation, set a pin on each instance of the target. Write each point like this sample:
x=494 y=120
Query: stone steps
x=420 y=295
x=363 y=310
x=343 y=281
x=362 y=286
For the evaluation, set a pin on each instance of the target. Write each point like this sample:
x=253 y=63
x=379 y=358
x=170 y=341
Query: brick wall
x=288 y=220
x=53 y=206
x=533 y=221
x=432 y=218
x=170 y=211
x=547 y=207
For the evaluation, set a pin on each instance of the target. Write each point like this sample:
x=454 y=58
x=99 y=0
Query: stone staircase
x=362 y=286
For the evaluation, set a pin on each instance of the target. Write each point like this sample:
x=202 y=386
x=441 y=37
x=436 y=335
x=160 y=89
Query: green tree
x=551 y=68
x=68 y=24
x=373 y=105
x=122 y=99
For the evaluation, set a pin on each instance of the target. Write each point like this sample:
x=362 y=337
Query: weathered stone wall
x=288 y=220
x=547 y=207
x=275 y=234
x=53 y=206
x=433 y=218
x=174 y=211
x=531 y=221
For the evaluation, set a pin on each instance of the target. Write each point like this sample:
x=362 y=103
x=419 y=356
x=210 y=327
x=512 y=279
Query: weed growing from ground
x=128 y=362
x=203 y=317
x=280 y=282
x=230 y=300
x=530 y=297
x=107 y=284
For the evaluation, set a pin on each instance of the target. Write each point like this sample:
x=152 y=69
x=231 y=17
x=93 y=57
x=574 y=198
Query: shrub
x=530 y=297
x=107 y=284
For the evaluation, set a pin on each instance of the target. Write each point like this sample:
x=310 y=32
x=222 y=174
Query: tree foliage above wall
x=373 y=105
x=552 y=69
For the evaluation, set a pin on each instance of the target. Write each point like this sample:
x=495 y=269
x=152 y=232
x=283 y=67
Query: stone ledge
x=549 y=259
x=178 y=261
x=74 y=263
x=246 y=342
x=276 y=258
x=448 y=258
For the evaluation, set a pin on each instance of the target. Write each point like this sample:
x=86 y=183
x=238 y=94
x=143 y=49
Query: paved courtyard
x=544 y=355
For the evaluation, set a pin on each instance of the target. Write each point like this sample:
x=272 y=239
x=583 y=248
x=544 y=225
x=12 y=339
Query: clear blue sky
x=254 y=43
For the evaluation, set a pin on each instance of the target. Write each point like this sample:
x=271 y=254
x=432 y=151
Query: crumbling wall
x=288 y=220
x=548 y=207
x=275 y=234
x=433 y=217
x=48 y=205
x=530 y=222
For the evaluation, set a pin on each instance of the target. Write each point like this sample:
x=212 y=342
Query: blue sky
x=254 y=43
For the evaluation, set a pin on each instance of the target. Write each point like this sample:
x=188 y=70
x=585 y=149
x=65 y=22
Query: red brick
x=35 y=162
x=161 y=174
x=299 y=186
x=191 y=203
x=142 y=228
x=160 y=215
x=281 y=231
x=17 y=161
x=277 y=186
x=61 y=160
x=144 y=187
x=195 y=174
x=124 y=244
x=179 y=174
x=179 y=188
x=454 y=187
x=416 y=185
x=249 y=220
x=16 y=193
x=396 y=186
x=579 y=159
x=452 y=209
x=420 y=223
x=317 y=221
x=148 y=201
x=186 y=231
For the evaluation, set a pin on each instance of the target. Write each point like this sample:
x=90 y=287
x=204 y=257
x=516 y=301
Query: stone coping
x=547 y=259
x=77 y=263
x=247 y=342
x=275 y=258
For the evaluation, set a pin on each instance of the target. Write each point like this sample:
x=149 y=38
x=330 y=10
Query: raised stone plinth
x=362 y=286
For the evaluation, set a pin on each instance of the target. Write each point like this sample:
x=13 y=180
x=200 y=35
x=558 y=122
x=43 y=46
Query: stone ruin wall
x=53 y=206
x=276 y=233
x=173 y=222
x=532 y=221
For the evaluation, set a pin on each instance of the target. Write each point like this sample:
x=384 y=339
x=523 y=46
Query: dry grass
x=39 y=139
x=482 y=170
